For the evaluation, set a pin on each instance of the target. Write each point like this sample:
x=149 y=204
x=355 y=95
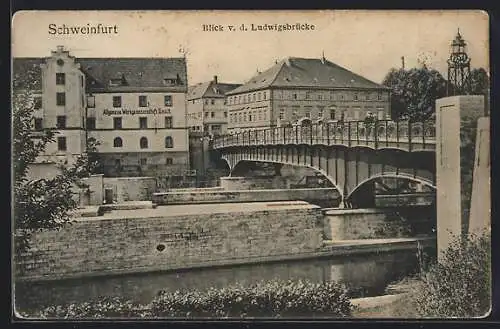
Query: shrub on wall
x=276 y=299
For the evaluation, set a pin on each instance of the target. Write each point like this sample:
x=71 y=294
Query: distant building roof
x=119 y=74
x=211 y=89
x=306 y=72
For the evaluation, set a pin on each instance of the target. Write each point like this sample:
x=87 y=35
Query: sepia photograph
x=218 y=164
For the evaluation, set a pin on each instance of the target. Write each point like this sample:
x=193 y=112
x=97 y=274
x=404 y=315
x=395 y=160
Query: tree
x=414 y=92
x=480 y=81
x=39 y=203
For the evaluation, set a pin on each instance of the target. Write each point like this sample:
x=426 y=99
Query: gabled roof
x=210 y=89
x=307 y=72
x=130 y=73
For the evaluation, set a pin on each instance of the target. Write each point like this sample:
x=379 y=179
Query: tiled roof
x=307 y=72
x=130 y=73
x=210 y=89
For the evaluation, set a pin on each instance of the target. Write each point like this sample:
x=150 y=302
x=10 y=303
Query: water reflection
x=365 y=276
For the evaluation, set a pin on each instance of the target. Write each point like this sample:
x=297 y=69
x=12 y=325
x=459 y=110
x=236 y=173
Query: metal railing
x=376 y=134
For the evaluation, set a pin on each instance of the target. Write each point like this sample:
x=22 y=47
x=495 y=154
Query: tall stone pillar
x=480 y=208
x=450 y=113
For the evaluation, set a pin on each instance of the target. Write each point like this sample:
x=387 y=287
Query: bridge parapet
x=379 y=134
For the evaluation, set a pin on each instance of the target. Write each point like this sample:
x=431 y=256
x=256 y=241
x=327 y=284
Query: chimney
x=323 y=57
x=60 y=49
x=215 y=79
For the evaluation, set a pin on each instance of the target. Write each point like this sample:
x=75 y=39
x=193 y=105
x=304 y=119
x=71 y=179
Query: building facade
x=135 y=108
x=302 y=88
x=206 y=107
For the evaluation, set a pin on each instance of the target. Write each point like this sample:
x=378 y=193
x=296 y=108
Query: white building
x=134 y=107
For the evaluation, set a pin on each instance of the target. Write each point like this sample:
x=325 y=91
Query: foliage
x=460 y=284
x=39 y=203
x=414 y=92
x=480 y=82
x=274 y=298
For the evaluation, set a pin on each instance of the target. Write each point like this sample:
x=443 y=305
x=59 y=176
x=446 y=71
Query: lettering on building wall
x=138 y=111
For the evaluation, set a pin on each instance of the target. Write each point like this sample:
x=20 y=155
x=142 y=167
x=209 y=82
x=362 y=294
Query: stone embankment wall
x=164 y=241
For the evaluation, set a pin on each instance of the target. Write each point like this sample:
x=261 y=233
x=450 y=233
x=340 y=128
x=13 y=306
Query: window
x=169 y=142
x=212 y=101
x=259 y=96
x=355 y=96
x=91 y=101
x=117 y=142
x=143 y=101
x=143 y=122
x=167 y=100
x=143 y=143
x=264 y=95
x=320 y=114
x=206 y=101
x=170 y=161
x=60 y=79
x=37 y=102
x=144 y=161
x=206 y=114
x=332 y=114
x=212 y=114
x=38 y=124
x=308 y=95
x=320 y=97
x=225 y=114
x=61 y=143
x=294 y=96
x=168 y=122
x=308 y=114
x=117 y=123
x=367 y=97
x=117 y=101
x=90 y=123
x=379 y=96
x=61 y=99
x=61 y=121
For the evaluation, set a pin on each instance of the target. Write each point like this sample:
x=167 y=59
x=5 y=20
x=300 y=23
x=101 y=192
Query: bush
x=460 y=285
x=264 y=299
x=101 y=308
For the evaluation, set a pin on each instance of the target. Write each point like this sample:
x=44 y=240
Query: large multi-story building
x=303 y=88
x=134 y=107
x=206 y=107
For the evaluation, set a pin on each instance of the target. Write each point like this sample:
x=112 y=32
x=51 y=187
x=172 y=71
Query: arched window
x=117 y=142
x=144 y=143
x=169 y=142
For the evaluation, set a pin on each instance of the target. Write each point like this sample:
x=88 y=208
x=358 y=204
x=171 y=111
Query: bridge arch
x=350 y=198
x=322 y=172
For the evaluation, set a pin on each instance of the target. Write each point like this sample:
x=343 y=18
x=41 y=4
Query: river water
x=366 y=275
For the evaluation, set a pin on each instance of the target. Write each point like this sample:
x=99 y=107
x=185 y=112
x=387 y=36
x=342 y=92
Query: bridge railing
x=378 y=133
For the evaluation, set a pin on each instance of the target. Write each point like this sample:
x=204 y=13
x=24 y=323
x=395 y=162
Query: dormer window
x=118 y=81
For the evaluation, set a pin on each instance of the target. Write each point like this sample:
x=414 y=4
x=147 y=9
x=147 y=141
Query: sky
x=368 y=43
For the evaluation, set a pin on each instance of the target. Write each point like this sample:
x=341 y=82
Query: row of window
x=118 y=142
x=117 y=101
x=241 y=99
x=256 y=115
x=143 y=101
x=198 y=115
x=340 y=96
x=91 y=122
x=143 y=142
